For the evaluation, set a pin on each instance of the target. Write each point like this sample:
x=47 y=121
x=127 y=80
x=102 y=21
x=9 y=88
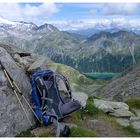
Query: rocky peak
x=47 y=28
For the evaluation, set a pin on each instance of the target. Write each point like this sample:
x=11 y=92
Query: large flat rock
x=40 y=63
x=117 y=109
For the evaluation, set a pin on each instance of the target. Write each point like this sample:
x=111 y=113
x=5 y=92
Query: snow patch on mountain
x=26 y=27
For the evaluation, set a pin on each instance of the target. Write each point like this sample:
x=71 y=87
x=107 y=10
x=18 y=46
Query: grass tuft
x=26 y=133
x=90 y=108
x=133 y=103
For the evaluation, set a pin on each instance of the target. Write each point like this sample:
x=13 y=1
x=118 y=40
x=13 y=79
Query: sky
x=70 y=13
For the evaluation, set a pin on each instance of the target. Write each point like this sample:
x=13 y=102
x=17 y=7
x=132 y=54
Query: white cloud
x=30 y=13
x=123 y=8
x=97 y=23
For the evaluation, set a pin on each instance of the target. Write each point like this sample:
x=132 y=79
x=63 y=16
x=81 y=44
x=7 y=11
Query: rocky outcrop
x=40 y=63
x=16 y=72
x=12 y=117
x=24 y=61
x=117 y=109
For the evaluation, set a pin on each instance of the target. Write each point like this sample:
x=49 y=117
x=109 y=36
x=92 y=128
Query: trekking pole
x=12 y=81
x=26 y=101
x=6 y=74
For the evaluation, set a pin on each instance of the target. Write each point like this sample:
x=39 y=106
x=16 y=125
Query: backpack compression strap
x=42 y=91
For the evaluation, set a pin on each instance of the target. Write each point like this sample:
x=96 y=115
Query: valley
x=101 y=52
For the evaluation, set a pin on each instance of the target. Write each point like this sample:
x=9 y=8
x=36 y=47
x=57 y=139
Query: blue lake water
x=97 y=75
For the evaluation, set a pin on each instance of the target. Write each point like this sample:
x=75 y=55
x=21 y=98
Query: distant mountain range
x=89 y=27
x=102 y=51
x=90 y=31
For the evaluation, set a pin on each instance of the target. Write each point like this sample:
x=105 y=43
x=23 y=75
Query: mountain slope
x=103 y=52
x=124 y=87
x=112 y=52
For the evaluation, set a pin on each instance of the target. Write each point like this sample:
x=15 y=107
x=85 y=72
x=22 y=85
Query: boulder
x=17 y=58
x=123 y=121
x=12 y=117
x=16 y=72
x=25 y=61
x=81 y=97
x=135 y=123
x=40 y=63
x=118 y=109
x=121 y=113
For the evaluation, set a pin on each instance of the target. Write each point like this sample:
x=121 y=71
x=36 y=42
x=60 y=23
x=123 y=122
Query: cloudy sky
x=59 y=13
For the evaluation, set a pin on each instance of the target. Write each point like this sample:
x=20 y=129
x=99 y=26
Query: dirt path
x=103 y=128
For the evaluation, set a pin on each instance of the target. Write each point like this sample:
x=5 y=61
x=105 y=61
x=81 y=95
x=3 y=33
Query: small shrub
x=90 y=108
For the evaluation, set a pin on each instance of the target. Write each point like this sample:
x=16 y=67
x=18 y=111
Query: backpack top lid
x=42 y=73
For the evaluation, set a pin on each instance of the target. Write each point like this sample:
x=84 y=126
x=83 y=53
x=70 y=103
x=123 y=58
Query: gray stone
x=133 y=119
x=17 y=73
x=25 y=61
x=40 y=63
x=137 y=111
x=118 y=109
x=3 y=80
x=81 y=97
x=123 y=121
x=109 y=105
x=17 y=58
x=121 y=113
x=12 y=117
x=135 y=123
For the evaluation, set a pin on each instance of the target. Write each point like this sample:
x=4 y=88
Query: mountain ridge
x=103 y=52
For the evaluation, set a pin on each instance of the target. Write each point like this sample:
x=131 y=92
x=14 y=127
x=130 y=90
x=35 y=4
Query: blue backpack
x=52 y=96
